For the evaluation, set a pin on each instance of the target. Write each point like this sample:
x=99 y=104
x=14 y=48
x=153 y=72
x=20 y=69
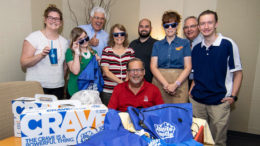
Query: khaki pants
x=217 y=116
x=181 y=95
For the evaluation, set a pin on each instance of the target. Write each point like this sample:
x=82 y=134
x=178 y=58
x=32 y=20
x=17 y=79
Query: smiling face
x=144 y=28
x=207 y=25
x=119 y=40
x=98 y=21
x=136 y=72
x=53 y=21
x=190 y=29
x=170 y=31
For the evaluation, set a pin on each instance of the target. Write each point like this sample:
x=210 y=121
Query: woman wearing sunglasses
x=171 y=61
x=114 y=60
x=36 y=47
x=77 y=57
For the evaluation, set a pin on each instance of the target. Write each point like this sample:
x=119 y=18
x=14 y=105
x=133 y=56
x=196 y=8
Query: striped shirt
x=116 y=64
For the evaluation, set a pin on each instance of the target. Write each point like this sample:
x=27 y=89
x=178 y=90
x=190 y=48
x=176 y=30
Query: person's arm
x=183 y=76
x=191 y=87
x=110 y=75
x=28 y=59
x=156 y=73
x=238 y=77
x=237 y=80
x=74 y=65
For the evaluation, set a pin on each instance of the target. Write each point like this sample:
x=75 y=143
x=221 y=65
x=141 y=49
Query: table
x=11 y=141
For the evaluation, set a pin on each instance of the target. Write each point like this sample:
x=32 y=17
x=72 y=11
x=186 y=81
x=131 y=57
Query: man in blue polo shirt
x=98 y=37
x=217 y=77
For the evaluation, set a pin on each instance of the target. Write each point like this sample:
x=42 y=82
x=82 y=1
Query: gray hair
x=97 y=9
x=190 y=17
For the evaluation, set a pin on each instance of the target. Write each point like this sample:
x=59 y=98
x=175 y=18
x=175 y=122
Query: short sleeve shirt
x=171 y=55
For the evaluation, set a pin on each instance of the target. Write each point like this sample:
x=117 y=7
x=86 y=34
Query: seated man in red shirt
x=136 y=91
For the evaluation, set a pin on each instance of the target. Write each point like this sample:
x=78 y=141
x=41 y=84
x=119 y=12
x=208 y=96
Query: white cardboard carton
x=22 y=103
x=64 y=126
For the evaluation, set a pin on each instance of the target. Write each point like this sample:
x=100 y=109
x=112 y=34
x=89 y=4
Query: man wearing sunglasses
x=98 y=37
x=143 y=46
x=217 y=77
x=192 y=33
x=136 y=91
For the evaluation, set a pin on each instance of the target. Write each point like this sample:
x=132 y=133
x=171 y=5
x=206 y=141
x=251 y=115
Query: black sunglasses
x=119 y=33
x=81 y=42
x=173 y=25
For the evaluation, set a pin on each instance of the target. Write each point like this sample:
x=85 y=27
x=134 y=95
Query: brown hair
x=111 y=41
x=75 y=33
x=169 y=16
x=208 y=12
x=52 y=8
x=134 y=59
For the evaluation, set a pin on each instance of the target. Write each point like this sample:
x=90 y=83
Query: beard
x=144 y=35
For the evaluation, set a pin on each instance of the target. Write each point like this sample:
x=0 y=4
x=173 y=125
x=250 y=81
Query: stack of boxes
x=39 y=123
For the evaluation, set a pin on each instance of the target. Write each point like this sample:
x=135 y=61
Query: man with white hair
x=192 y=33
x=98 y=37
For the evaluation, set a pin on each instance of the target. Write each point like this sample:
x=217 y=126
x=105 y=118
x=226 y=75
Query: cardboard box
x=64 y=126
x=40 y=101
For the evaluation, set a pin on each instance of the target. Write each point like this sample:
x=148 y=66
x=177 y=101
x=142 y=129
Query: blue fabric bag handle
x=169 y=122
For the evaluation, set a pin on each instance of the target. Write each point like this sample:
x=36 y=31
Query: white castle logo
x=165 y=130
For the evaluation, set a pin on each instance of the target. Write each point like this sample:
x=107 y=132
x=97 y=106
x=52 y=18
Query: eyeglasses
x=55 y=19
x=192 y=26
x=119 y=33
x=131 y=71
x=167 y=25
x=99 y=18
x=86 y=39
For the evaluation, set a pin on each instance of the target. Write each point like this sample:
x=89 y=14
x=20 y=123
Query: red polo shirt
x=122 y=97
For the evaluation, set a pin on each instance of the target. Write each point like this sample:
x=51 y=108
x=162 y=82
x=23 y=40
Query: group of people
x=145 y=72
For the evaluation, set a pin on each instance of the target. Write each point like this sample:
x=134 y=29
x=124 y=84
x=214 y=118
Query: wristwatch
x=234 y=97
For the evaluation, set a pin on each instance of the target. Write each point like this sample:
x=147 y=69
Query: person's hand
x=45 y=51
x=230 y=100
x=98 y=58
x=75 y=47
x=94 y=41
x=190 y=96
x=165 y=87
x=172 y=87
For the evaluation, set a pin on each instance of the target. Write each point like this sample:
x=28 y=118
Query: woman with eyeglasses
x=114 y=60
x=36 y=47
x=78 y=57
x=171 y=61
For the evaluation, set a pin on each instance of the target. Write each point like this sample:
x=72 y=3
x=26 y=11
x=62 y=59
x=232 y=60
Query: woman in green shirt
x=77 y=57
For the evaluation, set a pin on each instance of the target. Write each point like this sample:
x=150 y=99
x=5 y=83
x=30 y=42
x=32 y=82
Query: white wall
x=242 y=24
x=154 y=9
x=15 y=24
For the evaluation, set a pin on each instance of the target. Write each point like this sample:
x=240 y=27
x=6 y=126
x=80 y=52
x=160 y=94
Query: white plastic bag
x=87 y=97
